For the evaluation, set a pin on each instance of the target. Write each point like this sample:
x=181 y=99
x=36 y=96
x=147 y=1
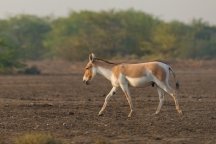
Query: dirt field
x=60 y=104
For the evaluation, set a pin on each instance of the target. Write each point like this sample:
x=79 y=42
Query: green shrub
x=36 y=138
x=9 y=57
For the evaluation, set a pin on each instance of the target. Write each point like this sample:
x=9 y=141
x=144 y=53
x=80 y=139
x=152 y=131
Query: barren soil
x=61 y=105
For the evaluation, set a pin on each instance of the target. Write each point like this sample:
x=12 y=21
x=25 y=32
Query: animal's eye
x=87 y=68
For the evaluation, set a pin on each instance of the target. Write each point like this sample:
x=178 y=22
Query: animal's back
x=142 y=70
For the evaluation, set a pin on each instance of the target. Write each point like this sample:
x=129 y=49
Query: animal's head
x=90 y=70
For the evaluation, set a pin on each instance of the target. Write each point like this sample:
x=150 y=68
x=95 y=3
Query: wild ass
x=136 y=75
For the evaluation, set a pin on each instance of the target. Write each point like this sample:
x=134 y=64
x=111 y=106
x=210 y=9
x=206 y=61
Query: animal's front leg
x=111 y=93
x=127 y=94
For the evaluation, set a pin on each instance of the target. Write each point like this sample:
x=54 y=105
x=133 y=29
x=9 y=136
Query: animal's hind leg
x=161 y=99
x=170 y=91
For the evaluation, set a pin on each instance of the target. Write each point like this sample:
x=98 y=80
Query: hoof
x=180 y=112
x=100 y=114
x=155 y=114
x=129 y=115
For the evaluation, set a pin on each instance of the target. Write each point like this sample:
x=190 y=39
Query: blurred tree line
x=107 y=33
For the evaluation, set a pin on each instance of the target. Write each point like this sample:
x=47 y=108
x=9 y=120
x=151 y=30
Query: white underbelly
x=139 y=82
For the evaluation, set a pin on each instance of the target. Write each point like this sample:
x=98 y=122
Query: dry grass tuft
x=101 y=141
x=36 y=138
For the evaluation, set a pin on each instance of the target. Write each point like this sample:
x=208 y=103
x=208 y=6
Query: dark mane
x=103 y=60
x=106 y=61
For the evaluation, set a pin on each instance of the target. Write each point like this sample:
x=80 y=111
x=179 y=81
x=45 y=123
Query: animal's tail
x=177 y=84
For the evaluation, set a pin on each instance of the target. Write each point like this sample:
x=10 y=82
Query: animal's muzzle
x=86 y=82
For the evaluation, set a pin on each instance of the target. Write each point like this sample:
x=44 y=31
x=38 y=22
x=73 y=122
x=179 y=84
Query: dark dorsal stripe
x=106 y=61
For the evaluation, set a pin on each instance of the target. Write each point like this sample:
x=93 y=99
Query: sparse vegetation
x=36 y=138
x=42 y=138
x=101 y=141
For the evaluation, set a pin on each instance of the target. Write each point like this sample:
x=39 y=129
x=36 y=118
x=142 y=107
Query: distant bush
x=36 y=138
x=9 y=57
x=32 y=70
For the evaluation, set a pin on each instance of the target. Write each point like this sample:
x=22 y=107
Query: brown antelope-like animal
x=136 y=75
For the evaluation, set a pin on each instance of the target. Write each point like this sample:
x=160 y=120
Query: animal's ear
x=91 y=57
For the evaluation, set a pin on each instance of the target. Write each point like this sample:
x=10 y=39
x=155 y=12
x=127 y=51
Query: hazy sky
x=182 y=10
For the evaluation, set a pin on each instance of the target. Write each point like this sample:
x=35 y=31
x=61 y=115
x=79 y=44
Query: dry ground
x=57 y=102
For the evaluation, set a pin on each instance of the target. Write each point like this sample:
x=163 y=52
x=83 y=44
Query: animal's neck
x=104 y=69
